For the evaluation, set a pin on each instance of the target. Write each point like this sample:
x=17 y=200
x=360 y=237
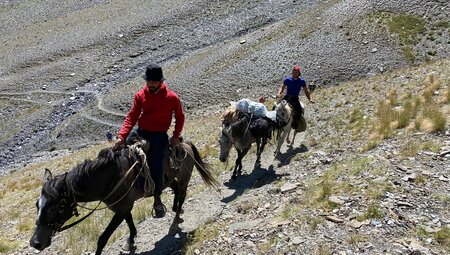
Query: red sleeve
x=179 y=119
x=131 y=118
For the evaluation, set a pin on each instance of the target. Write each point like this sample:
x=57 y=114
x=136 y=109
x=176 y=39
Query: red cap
x=296 y=68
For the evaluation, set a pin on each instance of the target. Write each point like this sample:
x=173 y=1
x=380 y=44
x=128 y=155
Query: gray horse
x=242 y=134
x=285 y=118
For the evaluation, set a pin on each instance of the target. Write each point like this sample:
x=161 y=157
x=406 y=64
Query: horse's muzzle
x=39 y=244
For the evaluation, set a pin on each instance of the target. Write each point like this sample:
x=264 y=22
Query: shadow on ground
x=169 y=244
x=256 y=179
x=285 y=158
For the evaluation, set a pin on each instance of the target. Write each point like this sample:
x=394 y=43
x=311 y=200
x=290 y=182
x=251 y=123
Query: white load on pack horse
x=244 y=123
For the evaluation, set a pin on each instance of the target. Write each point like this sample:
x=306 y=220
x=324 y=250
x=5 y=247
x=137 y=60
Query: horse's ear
x=47 y=175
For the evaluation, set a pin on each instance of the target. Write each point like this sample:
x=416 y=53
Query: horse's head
x=283 y=110
x=225 y=143
x=54 y=208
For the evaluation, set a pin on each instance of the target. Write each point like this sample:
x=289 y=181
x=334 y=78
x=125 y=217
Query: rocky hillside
x=69 y=70
x=370 y=175
x=345 y=186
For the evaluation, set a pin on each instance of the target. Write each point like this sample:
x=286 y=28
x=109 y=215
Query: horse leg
x=284 y=133
x=287 y=138
x=180 y=204
x=293 y=138
x=176 y=199
x=181 y=196
x=129 y=245
x=263 y=144
x=258 y=153
x=236 y=165
x=113 y=224
x=243 y=153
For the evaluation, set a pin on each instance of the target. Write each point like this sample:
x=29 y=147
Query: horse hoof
x=128 y=246
x=174 y=229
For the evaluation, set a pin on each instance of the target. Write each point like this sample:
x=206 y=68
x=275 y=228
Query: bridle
x=58 y=226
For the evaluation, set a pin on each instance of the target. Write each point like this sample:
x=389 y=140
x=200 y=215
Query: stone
x=402 y=168
x=278 y=223
x=357 y=224
x=336 y=200
x=401 y=203
x=443 y=178
x=297 y=240
x=245 y=225
x=417 y=246
x=375 y=223
x=288 y=187
x=426 y=173
x=334 y=219
x=410 y=177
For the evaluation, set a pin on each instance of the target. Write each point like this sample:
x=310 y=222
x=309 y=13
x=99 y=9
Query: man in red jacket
x=152 y=109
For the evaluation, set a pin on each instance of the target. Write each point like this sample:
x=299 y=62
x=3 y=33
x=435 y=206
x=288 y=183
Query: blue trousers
x=159 y=142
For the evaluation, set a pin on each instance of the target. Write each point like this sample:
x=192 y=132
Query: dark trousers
x=159 y=142
x=295 y=103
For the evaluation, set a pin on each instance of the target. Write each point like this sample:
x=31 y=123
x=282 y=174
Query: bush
x=408 y=27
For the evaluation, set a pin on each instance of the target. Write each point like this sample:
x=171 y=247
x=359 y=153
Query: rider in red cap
x=293 y=86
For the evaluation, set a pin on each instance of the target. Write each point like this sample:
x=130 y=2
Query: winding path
x=100 y=106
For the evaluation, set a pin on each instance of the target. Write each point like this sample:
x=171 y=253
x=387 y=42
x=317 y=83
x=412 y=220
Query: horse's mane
x=239 y=128
x=230 y=115
x=51 y=187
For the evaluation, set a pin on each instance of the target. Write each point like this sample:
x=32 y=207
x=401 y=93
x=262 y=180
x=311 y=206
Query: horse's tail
x=204 y=168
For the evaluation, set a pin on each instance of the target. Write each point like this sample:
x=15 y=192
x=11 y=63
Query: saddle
x=136 y=156
x=298 y=119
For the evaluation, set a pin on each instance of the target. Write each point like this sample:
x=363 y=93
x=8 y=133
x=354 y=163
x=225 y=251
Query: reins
x=176 y=160
x=92 y=210
x=121 y=181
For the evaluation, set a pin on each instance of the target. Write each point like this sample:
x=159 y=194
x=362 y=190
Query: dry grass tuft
x=421 y=112
x=446 y=98
x=7 y=246
x=431 y=119
x=443 y=236
x=373 y=212
x=196 y=238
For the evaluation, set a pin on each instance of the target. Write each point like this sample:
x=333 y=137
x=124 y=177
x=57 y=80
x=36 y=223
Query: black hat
x=153 y=73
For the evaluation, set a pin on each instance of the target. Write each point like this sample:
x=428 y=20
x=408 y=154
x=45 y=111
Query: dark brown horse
x=110 y=180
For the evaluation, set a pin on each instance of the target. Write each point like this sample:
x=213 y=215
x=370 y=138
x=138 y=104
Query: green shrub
x=373 y=212
x=409 y=54
x=408 y=27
